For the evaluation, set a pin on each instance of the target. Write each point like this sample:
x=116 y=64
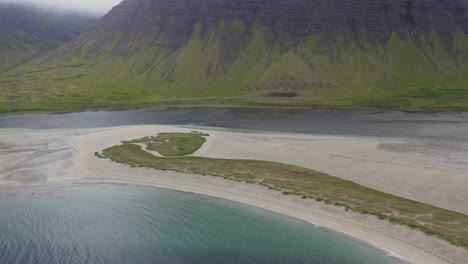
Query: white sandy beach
x=413 y=169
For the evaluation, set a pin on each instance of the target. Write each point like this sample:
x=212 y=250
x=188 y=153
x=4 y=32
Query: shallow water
x=429 y=126
x=133 y=224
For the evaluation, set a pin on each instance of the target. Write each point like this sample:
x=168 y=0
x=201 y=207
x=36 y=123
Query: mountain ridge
x=27 y=31
x=344 y=53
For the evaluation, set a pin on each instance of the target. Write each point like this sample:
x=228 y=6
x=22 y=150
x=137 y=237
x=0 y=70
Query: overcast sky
x=88 y=6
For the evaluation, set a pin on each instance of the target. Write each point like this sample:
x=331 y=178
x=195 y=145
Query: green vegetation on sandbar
x=173 y=144
x=294 y=180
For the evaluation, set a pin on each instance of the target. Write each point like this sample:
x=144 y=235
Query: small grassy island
x=173 y=144
x=175 y=148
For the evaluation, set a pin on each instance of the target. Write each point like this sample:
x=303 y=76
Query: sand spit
x=436 y=177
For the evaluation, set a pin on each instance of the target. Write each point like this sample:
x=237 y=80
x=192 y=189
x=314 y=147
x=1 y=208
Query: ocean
x=113 y=223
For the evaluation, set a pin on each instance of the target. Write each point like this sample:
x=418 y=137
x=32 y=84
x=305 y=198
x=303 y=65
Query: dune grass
x=306 y=183
x=173 y=144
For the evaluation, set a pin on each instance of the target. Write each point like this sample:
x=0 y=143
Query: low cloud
x=82 y=6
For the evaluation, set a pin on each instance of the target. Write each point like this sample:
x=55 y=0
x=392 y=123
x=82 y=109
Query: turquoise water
x=132 y=224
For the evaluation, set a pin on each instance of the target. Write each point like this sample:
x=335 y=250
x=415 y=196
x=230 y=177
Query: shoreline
x=413 y=246
x=188 y=106
x=110 y=181
x=329 y=217
x=173 y=188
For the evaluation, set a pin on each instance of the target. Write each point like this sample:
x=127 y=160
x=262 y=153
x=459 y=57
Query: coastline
x=234 y=106
x=174 y=188
x=411 y=245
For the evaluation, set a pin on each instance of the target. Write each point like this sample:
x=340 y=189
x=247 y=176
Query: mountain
x=26 y=31
x=343 y=53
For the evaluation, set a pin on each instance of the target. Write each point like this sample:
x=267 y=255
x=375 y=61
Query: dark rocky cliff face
x=370 y=53
x=175 y=20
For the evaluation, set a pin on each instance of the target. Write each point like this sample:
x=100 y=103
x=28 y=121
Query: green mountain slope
x=27 y=31
x=344 y=53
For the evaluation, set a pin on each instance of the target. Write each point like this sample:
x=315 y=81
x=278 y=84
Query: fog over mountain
x=27 y=31
x=87 y=6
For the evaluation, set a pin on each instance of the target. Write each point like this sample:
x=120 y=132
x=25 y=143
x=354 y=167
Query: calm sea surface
x=133 y=224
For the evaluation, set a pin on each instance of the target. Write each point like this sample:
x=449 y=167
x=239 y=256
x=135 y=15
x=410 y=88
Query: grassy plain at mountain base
x=400 y=74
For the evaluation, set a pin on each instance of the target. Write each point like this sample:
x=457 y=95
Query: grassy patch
x=294 y=180
x=385 y=103
x=99 y=155
x=173 y=144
